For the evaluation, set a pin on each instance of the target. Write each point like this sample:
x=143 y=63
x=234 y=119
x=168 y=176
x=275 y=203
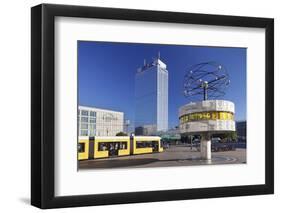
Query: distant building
x=241 y=129
x=151 y=96
x=145 y=130
x=99 y=122
x=170 y=135
x=127 y=124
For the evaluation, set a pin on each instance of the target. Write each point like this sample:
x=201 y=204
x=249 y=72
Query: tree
x=121 y=134
x=231 y=136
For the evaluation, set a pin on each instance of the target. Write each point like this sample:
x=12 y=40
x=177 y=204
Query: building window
x=84 y=112
x=93 y=114
x=92 y=126
x=84 y=132
x=92 y=132
x=92 y=120
x=84 y=126
x=84 y=119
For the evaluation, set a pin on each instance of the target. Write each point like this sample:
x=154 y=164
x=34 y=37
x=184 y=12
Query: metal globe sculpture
x=208 y=80
x=209 y=115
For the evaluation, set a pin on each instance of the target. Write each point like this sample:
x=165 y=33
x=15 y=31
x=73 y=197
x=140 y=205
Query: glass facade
x=99 y=122
x=87 y=122
x=241 y=127
x=151 y=96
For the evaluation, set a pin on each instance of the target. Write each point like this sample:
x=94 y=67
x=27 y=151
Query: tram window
x=146 y=144
x=140 y=144
x=123 y=145
x=102 y=147
x=81 y=147
x=112 y=145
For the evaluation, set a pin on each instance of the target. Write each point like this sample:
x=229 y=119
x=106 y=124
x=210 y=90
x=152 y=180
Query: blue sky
x=106 y=73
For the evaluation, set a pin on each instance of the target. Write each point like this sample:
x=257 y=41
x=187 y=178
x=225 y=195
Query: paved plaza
x=173 y=156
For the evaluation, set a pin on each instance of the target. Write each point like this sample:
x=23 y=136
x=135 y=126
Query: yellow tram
x=109 y=146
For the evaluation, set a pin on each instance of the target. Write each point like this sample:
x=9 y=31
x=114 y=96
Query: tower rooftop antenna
x=158 y=54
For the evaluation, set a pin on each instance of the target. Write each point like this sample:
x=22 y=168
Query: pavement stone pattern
x=173 y=156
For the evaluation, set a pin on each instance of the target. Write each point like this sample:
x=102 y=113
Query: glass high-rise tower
x=151 y=98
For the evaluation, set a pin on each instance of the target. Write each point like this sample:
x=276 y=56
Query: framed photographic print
x=141 y=106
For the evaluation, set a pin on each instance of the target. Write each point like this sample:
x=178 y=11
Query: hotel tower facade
x=151 y=98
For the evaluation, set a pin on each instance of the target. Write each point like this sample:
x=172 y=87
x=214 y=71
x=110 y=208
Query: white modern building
x=151 y=96
x=99 y=122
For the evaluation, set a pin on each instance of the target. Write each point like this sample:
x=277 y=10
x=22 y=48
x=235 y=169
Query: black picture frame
x=43 y=100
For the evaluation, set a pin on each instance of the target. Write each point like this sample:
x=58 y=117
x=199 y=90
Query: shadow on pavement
x=118 y=163
x=115 y=163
